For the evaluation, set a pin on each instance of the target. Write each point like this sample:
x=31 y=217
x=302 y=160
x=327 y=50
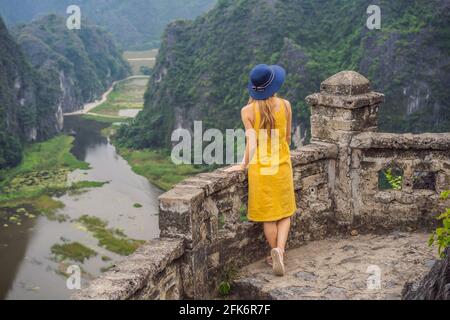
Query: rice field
x=127 y=95
x=138 y=59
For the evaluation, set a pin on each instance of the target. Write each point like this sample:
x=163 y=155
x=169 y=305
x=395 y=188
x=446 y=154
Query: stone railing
x=423 y=160
x=204 y=233
x=152 y=272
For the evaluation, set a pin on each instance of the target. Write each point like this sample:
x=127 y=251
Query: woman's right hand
x=235 y=168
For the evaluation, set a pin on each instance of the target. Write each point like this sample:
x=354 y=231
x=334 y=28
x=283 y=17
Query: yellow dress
x=270 y=180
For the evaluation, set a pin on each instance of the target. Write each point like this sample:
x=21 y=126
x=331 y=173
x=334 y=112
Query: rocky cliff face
x=411 y=64
x=28 y=108
x=47 y=70
x=78 y=64
x=203 y=66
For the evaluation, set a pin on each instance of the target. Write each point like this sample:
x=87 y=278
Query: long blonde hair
x=265 y=107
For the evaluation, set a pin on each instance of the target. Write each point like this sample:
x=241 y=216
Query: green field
x=127 y=94
x=45 y=165
x=157 y=167
x=43 y=172
x=138 y=59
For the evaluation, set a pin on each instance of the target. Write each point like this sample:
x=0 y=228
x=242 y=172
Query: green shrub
x=395 y=181
x=229 y=273
x=145 y=70
x=224 y=288
x=442 y=234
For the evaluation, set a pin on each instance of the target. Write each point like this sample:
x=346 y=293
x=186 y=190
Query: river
x=29 y=270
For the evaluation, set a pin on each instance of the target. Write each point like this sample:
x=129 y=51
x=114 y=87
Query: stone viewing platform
x=339 y=268
x=341 y=190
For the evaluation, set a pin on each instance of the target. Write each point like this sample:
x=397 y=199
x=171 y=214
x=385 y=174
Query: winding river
x=128 y=202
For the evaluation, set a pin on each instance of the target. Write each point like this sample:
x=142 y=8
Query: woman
x=267 y=120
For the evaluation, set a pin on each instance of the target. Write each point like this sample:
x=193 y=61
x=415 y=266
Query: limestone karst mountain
x=134 y=24
x=82 y=64
x=203 y=66
x=28 y=107
x=48 y=70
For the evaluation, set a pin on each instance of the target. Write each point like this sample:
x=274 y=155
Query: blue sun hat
x=265 y=81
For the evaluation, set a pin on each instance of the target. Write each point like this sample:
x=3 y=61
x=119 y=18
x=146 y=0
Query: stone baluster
x=344 y=107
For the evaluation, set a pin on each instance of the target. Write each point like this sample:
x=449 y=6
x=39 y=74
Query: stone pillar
x=344 y=107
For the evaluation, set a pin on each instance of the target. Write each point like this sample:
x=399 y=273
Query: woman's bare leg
x=283 y=227
x=271 y=233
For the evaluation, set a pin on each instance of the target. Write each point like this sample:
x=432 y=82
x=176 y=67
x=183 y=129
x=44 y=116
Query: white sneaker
x=277 y=260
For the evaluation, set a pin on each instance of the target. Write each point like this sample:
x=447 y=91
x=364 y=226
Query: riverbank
x=42 y=174
x=157 y=166
x=79 y=200
x=72 y=201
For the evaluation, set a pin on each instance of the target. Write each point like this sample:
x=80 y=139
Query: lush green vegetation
x=15 y=211
x=73 y=251
x=228 y=276
x=58 y=65
x=442 y=234
x=27 y=104
x=105 y=119
x=157 y=166
x=42 y=173
x=243 y=213
x=86 y=61
x=390 y=178
x=44 y=169
x=134 y=24
x=145 y=70
x=88 y=184
x=202 y=66
x=113 y=240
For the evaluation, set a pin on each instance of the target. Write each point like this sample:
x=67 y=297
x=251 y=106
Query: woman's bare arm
x=250 y=145
x=289 y=122
x=250 y=134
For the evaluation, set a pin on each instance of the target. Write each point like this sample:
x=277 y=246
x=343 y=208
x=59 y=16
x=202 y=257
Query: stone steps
x=339 y=268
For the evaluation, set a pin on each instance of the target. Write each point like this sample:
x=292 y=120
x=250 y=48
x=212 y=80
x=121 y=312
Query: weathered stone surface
x=215 y=181
x=177 y=209
x=433 y=141
x=435 y=285
x=130 y=278
x=337 y=268
x=335 y=102
x=346 y=83
x=313 y=152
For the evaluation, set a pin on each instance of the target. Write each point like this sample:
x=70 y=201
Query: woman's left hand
x=235 y=168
